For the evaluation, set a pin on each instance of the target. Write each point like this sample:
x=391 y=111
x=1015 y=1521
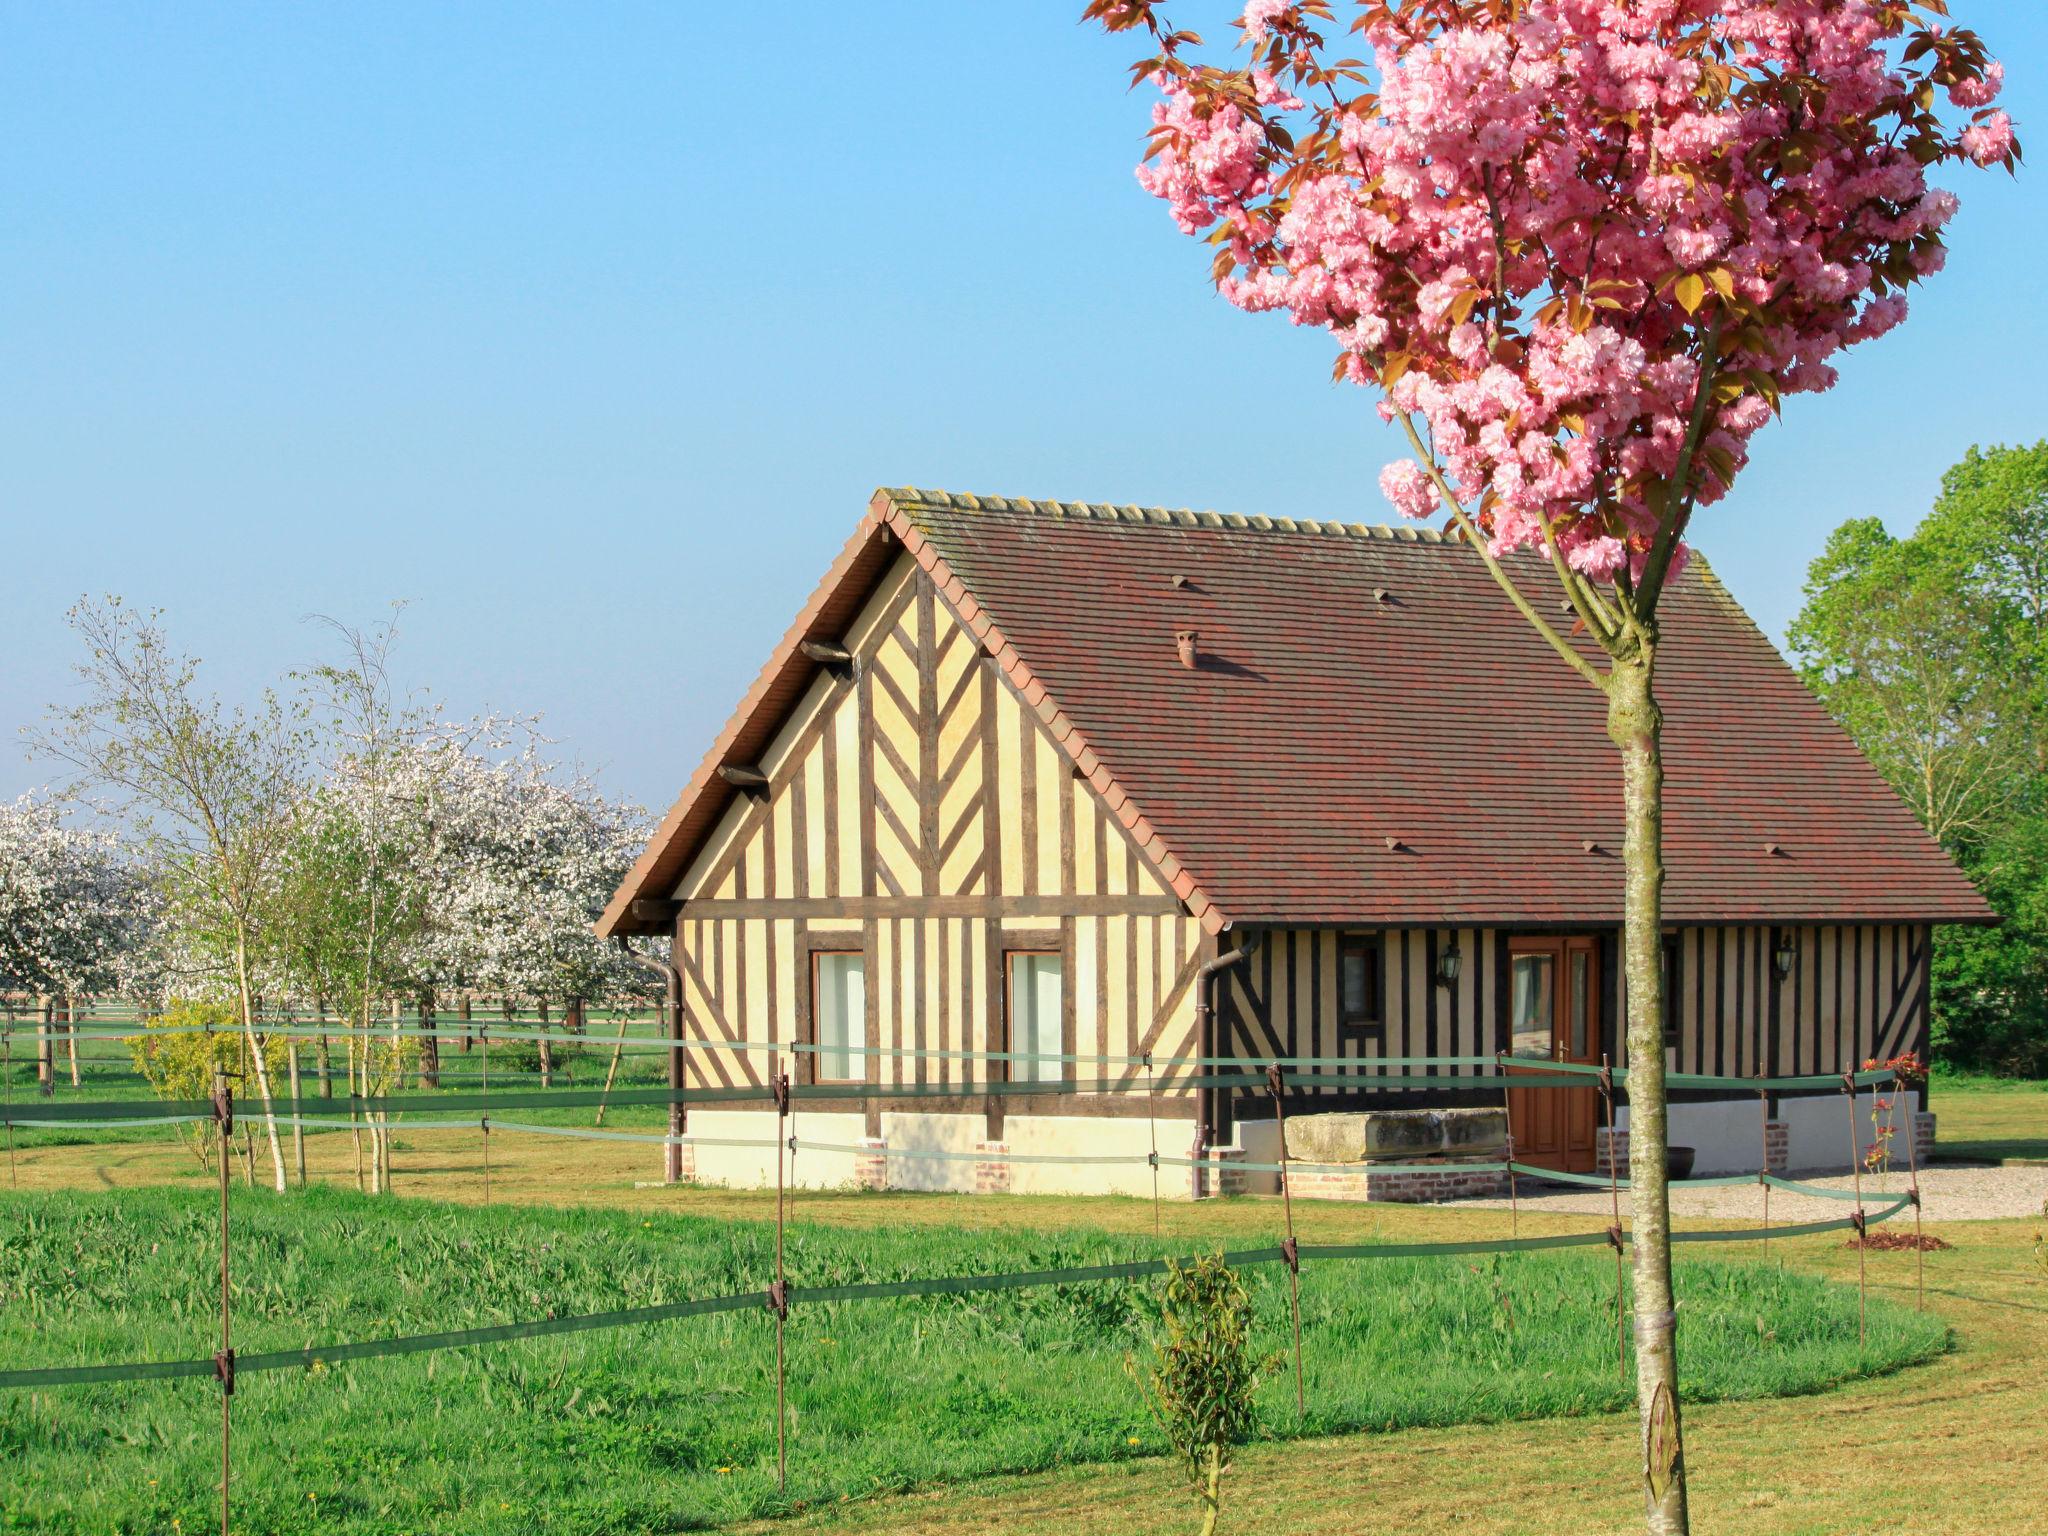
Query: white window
x=1035 y=1017
x=839 y=1012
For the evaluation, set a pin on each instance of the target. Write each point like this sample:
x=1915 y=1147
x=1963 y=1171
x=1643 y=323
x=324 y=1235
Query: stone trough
x=1443 y=1154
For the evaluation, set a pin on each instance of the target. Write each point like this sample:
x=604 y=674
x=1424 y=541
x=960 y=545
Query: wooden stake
x=7 y=1078
x=1152 y=1123
x=1763 y=1110
x=1862 y=1231
x=483 y=1036
x=1919 y=1244
x=780 y=1295
x=1507 y=1105
x=1290 y=1248
x=1614 y=1228
x=224 y=1361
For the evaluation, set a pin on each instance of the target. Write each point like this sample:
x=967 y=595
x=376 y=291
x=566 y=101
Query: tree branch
x=1527 y=609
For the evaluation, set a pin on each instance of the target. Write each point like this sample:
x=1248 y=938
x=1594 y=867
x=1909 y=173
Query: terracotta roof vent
x=1773 y=851
x=1179 y=580
x=1184 y=641
x=1382 y=595
x=1591 y=845
x=1395 y=845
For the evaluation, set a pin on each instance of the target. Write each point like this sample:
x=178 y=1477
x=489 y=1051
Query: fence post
x=1289 y=1249
x=483 y=1039
x=1862 y=1228
x=778 y=1294
x=1614 y=1224
x=1507 y=1107
x=224 y=1358
x=1152 y=1124
x=7 y=1079
x=1763 y=1167
x=1913 y=1193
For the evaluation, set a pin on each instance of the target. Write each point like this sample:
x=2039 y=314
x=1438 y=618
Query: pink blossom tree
x=1583 y=249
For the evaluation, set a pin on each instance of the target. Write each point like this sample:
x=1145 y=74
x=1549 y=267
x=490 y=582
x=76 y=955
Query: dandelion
x=1133 y=1440
x=723 y=1470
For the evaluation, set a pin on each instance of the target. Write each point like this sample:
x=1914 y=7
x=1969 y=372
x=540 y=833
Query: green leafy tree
x=1204 y=1376
x=1933 y=651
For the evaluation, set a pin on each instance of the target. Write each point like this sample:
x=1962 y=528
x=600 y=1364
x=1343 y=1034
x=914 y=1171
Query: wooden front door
x=1554 y=1015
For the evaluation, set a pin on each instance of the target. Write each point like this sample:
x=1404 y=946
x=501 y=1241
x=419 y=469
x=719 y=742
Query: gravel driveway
x=1947 y=1193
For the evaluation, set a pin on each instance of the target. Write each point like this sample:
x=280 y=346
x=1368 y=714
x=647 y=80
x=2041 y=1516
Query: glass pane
x=840 y=1014
x=1035 y=1018
x=1529 y=1005
x=1355 y=1003
x=1581 y=1002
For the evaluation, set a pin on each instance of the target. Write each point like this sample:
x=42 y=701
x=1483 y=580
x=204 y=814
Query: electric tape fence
x=778 y=1297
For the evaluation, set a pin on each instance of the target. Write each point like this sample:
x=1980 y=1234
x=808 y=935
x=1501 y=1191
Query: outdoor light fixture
x=1782 y=959
x=1447 y=962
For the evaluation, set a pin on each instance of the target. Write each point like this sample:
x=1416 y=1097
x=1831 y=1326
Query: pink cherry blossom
x=1541 y=228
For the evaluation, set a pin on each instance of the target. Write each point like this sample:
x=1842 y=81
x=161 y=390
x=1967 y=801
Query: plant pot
x=1678 y=1162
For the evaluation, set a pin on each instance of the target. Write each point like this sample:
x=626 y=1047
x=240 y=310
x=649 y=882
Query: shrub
x=1204 y=1377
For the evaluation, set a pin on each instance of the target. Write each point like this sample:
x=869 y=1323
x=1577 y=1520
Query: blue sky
x=589 y=328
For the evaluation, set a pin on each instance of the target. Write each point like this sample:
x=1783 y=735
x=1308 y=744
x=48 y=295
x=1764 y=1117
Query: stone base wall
x=1610 y=1153
x=871 y=1167
x=992 y=1177
x=1360 y=1181
x=1923 y=1137
x=686 y=1163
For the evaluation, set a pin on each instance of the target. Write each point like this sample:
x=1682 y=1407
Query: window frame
x=1018 y=945
x=1673 y=1022
x=829 y=946
x=1371 y=1025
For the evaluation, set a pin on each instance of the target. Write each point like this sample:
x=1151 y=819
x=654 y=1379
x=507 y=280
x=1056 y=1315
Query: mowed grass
x=670 y=1426
x=1995 y=1120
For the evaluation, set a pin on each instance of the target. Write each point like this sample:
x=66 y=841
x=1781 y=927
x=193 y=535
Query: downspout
x=1205 y=1029
x=672 y=981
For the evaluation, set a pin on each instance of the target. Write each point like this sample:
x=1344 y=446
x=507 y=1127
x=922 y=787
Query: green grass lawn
x=1988 y=1119
x=670 y=1426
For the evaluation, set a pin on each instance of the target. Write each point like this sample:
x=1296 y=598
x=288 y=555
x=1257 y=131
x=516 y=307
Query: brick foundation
x=1220 y=1173
x=1610 y=1153
x=871 y=1164
x=1359 y=1181
x=1777 y=1146
x=1923 y=1137
x=686 y=1163
x=992 y=1177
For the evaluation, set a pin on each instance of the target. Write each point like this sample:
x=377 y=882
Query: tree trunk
x=46 y=1061
x=547 y=1052
x=1635 y=724
x=462 y=1012
x=255 y=1051
x=291 y=1050
x=1212 y=1489
x=71 y=1039
x=323 y=1055
x=430 y=1044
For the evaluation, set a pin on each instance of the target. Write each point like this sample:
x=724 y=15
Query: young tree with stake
x=1584 y=248
x=211 y=789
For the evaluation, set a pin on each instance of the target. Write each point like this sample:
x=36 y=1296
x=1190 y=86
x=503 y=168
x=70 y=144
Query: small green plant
x=179 y=1052
x=1204 y=1375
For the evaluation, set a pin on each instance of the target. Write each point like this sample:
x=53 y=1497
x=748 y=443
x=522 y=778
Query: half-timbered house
x=1024 y=779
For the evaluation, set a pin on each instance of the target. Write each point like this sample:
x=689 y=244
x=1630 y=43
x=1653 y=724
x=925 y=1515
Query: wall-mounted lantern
x=1781 y=960
x=1447 y=962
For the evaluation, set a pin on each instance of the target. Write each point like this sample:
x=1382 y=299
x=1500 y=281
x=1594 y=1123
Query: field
x=627 y=1431
x=671 y=1426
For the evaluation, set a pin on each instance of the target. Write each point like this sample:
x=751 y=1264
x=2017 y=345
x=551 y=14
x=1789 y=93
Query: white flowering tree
x=211 y=791
x=73 y=907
